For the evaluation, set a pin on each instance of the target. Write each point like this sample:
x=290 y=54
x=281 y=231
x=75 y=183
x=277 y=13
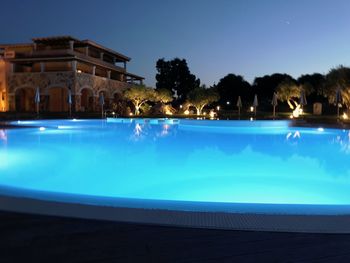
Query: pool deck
x=37 y=238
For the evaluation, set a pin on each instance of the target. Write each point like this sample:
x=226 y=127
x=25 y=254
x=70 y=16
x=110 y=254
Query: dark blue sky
x=216 y=37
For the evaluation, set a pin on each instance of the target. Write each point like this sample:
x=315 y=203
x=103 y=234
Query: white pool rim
x=248 y=217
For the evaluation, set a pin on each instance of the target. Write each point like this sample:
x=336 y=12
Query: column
x=35 y=46
x=101 y=55
x=94 y=70
x=108 y=74
x=124 y=65
x=42 y=67
x=12 y=67
x=71 y=45
x=114 y=60
x=74 y=66
x=86 y=51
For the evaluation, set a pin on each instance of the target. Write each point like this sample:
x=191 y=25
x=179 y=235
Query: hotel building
x=56 y=65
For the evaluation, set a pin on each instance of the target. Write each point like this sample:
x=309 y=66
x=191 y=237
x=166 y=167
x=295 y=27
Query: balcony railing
x=69 y=54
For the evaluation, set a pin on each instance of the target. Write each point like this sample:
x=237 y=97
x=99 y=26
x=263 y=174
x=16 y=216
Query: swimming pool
x=207 y=168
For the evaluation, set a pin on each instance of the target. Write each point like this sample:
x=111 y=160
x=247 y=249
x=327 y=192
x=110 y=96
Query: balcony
x=66 y=54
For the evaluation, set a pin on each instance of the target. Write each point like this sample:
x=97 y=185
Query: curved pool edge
x=298 y=223
x=246 y=216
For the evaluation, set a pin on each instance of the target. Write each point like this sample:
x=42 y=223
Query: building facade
x=59 y=66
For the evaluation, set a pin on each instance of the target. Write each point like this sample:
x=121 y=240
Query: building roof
x=3 y=46
x=64 y=39
x=134 y=76
x=94 y=44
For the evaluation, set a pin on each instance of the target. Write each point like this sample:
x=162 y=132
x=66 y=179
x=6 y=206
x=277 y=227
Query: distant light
x=204 y=113
x=218 y=107
x=187 y=112
x=251 y=119
x=227 y=102
x=180 y=106
x=42 y=129
x=212 y=114
x=320 y=129
x=345 y=116
x=79 y=71
x=130 y=114
x=113 y=113
x=74 y=120
x=251 y=109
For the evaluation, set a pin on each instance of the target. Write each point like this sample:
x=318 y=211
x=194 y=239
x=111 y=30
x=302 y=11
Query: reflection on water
x=165 y=131
x=344 y=141
x=293 y=135
x=3 y=135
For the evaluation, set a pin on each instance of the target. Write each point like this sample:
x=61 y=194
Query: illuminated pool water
x=205 y=162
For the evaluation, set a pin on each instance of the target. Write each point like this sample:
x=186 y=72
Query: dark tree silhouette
x=316 y=83
x=265 y=86
x=174 y=75
x=231 y=86
x=338 y=78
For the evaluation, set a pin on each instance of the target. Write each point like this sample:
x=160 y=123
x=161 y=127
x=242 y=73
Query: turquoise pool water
x=260 y=162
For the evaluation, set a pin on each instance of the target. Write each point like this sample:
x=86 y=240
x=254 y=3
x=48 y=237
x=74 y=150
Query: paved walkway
x=34 y=238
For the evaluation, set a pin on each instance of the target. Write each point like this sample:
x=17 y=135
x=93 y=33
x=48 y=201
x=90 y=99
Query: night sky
x=216 y=37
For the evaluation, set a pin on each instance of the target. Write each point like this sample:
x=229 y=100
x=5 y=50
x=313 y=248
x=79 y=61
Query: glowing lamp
x=212 y=114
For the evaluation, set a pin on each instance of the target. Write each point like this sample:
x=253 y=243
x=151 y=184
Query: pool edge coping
x=194 y=219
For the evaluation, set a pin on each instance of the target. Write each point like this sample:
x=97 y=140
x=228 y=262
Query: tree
x=265 y=86
x=139 y=95
x=338 y=78
x=314 y=85
x=202 y=96
x=288 y=90
x=163 y=95
x=231 y=86
x=175 y=76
